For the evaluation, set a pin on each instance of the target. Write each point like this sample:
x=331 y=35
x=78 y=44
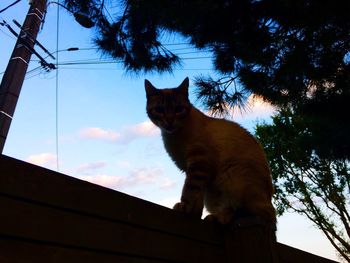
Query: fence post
x=250 y=240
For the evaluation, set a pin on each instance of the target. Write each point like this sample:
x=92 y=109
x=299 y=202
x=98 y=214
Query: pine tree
x=290 y=52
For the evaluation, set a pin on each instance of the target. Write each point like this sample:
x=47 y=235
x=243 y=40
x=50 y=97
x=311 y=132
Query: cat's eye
x=179 y=109
x=159 y=110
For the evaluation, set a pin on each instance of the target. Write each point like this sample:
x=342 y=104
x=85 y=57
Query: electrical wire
x=193 y=58
x=182 y=48
x=95 y=61
x=34 y=69
x=8 y=35
x=57 y=101
x=40 y=73
x=192 y=52
x=7 y=7
x=98 y=61
x=165 y=44
x=108 y=13
x=122 y=69
x=174 y=44
x=35 y=72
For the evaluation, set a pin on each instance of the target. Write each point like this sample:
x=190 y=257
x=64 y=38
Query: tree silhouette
x=293 y=53
x=306 y=183
x=290 y=52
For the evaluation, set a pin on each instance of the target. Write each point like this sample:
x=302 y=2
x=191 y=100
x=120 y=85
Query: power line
x=32 y=38
x=192 y=58
x=34 y=69
x=108 y=13
x=107 y=60
x=42 y=73
x=182 y=48
x=7 y=7
x=68 y=64
x=97 y=62
x=7 y=34
x=165 y=44
x=192 y=52
x=89 y=48
x=121 y=69
x=175 y=44
x=28 y=41
x=57 y=70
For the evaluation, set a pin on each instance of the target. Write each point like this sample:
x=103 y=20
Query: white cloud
x=144 y=176
x=167 y=184
x=87 y=168
x=42 y=159
x=110 y=181
x=99 y=133
x=144 y=129
x=123 y=164
x=135 y=177
x=126 y=135
x=256 y=107
x=153 y=177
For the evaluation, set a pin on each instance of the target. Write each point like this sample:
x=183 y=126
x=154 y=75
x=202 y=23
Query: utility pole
x=15 y=72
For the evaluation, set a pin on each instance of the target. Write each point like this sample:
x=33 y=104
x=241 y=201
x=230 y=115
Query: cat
x=226 y=168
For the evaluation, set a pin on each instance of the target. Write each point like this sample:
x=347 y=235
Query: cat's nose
x=169 y=120
x=169 y=124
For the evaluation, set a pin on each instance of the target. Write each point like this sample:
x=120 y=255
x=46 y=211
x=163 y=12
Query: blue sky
x=104 y=135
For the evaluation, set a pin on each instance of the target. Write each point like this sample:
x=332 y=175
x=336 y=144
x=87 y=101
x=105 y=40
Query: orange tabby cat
x=226 y=169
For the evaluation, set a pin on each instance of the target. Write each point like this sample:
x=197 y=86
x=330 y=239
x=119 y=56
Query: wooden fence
x=49 y=217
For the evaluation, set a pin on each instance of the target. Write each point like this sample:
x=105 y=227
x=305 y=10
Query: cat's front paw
x=180 y=206
x=188 y=209
x=211 y=219
x=218 y=219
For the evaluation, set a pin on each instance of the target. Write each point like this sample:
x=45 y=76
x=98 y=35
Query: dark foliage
x=290 y=52
x=305 y=182
x=220 y=96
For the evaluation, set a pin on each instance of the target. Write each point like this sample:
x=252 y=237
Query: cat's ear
x=150 y=89
x=184 y=86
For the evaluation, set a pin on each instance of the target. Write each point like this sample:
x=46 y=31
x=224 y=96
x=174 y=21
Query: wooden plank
x=289 y=254
x=31 y=182
x=60 y=227
x=20 y=251
x=72 y=216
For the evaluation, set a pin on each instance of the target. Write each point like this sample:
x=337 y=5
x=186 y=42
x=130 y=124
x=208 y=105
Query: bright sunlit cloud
x=144 y=129
x=135 y=177
x=110 y=181
x=99 y=134
x=126 y=135
x=88 y=168
x=256 y=107
x=42 y=159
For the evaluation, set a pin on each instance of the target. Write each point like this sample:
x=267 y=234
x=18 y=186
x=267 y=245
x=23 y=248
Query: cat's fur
x=226 y=169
